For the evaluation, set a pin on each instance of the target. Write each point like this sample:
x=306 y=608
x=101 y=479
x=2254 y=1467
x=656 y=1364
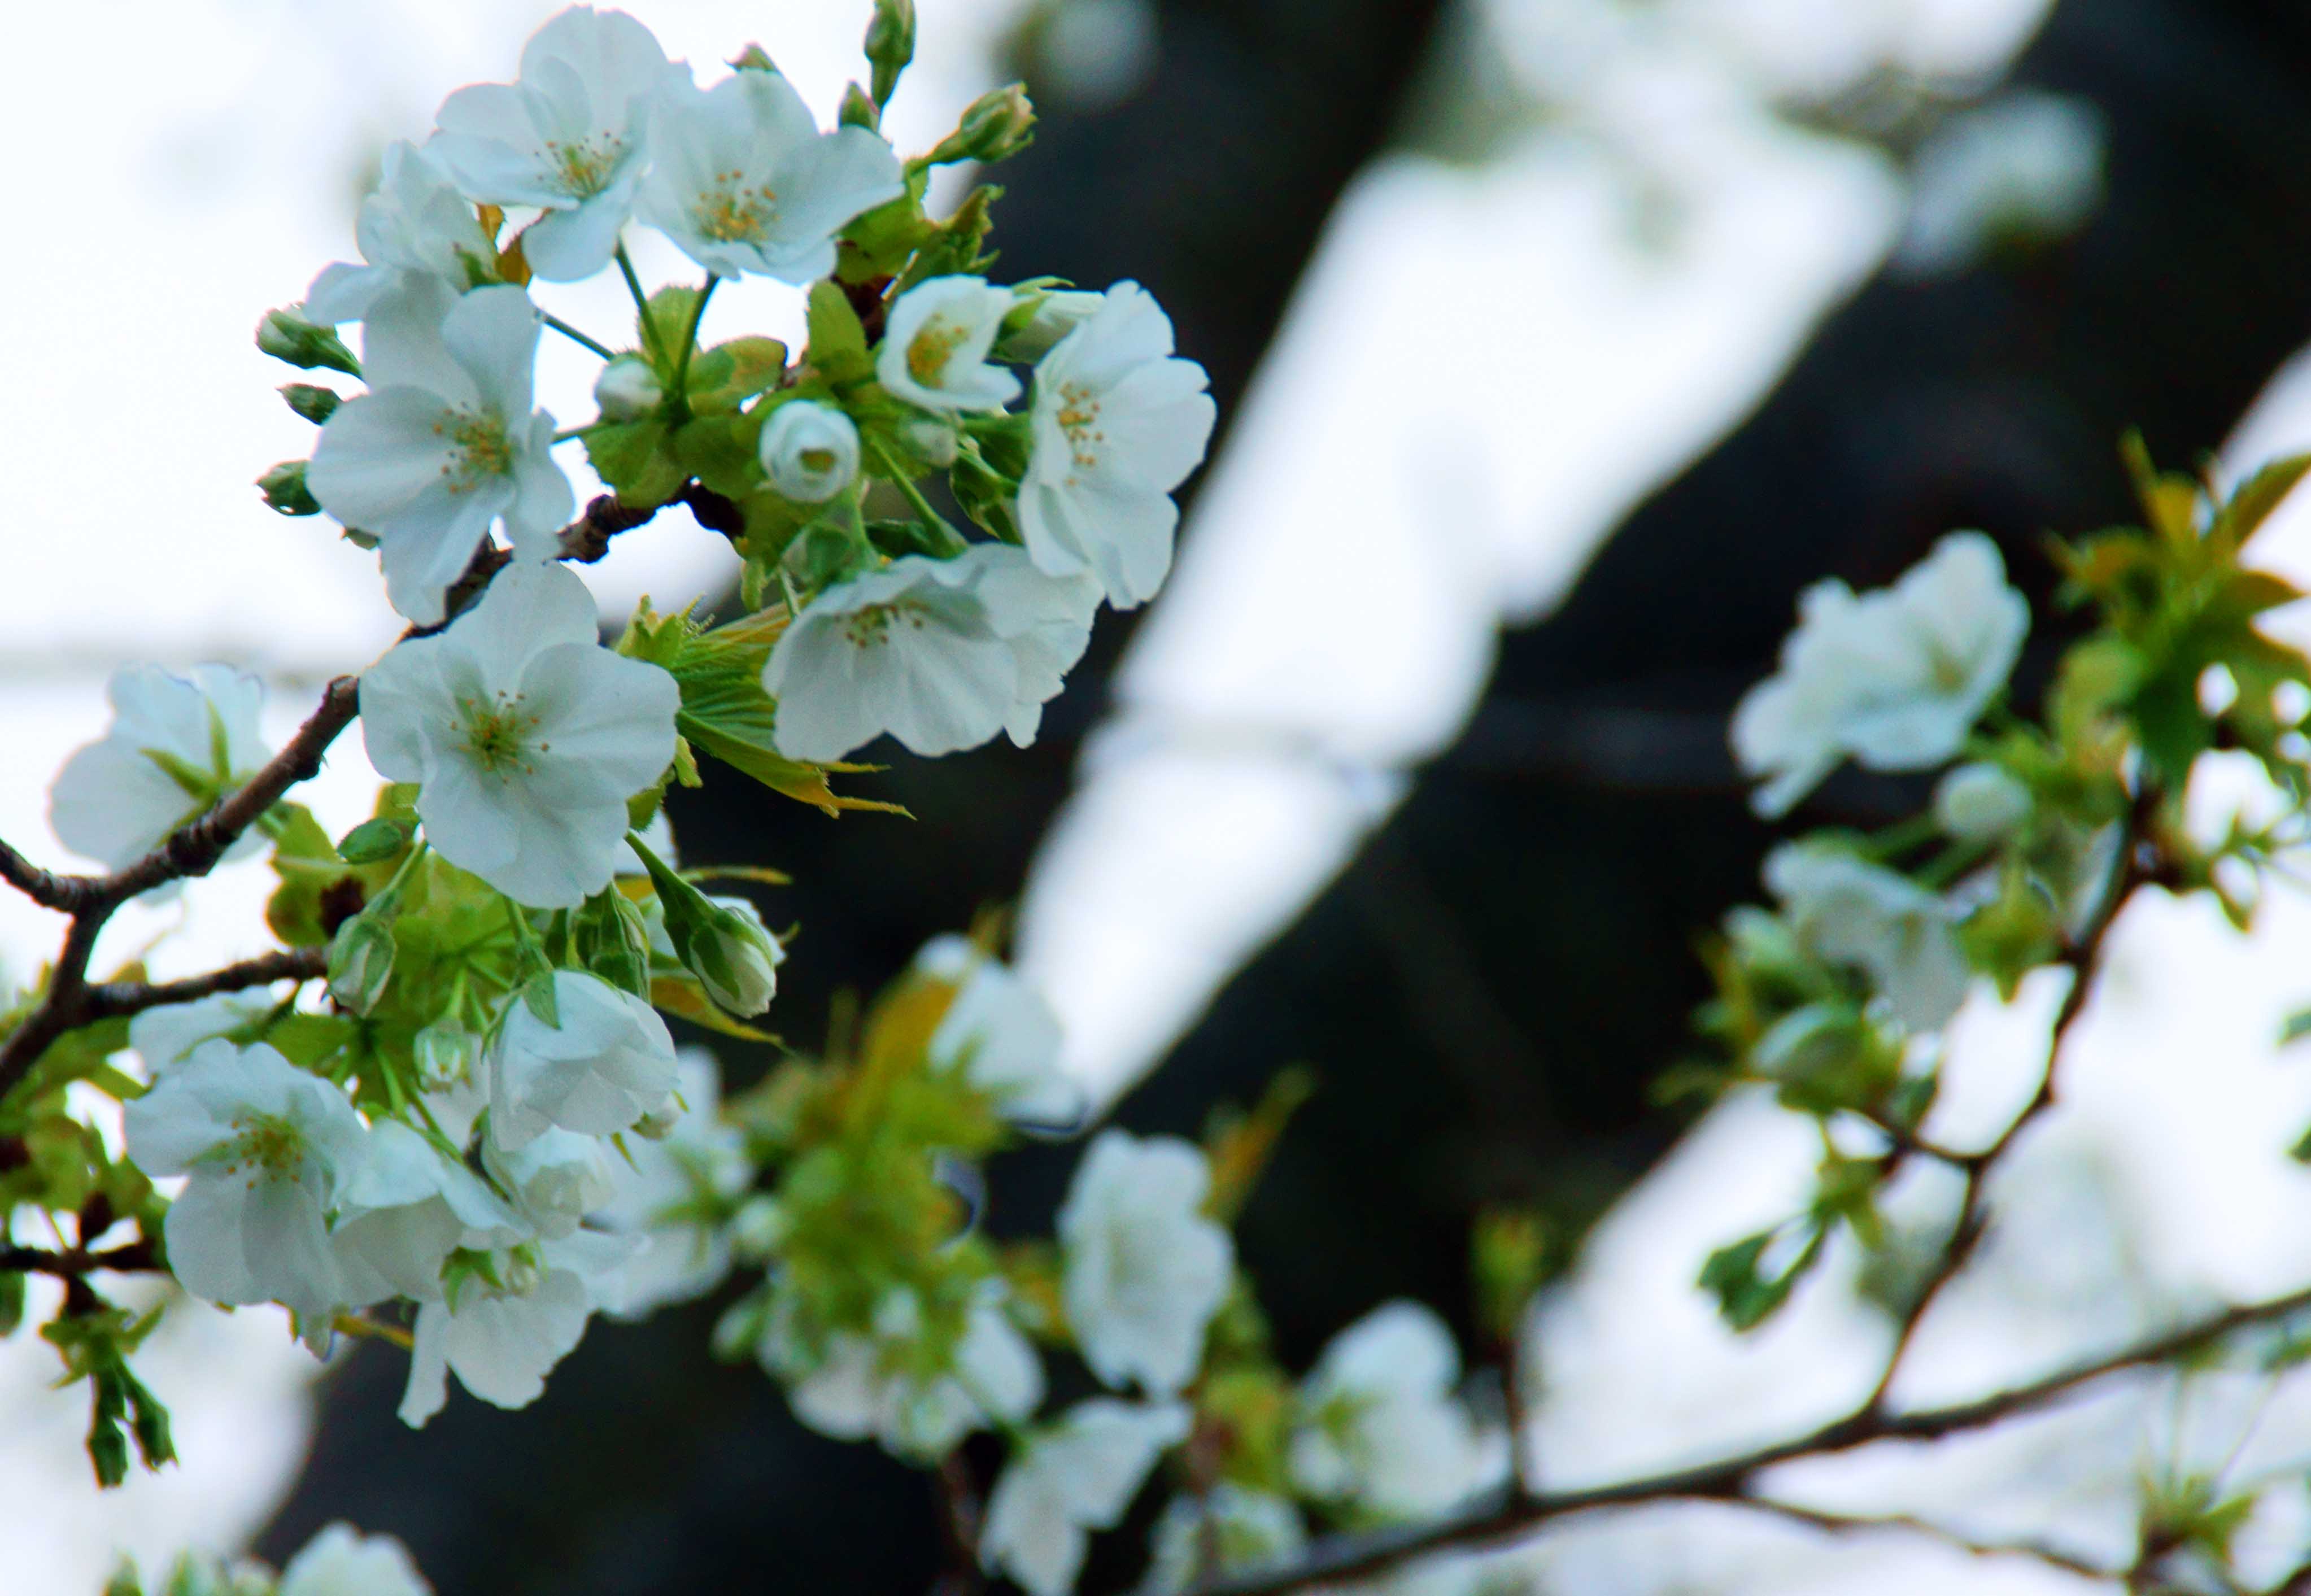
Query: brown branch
x=191 y=850
x=137 y=1256
x=1905 y=1523
x=1500 y=1516
x=195 y=848
x=2083 y=957
x=960 y=1514
x=110 y=999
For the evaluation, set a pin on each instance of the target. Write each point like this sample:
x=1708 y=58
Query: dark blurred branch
x=1502 y=1517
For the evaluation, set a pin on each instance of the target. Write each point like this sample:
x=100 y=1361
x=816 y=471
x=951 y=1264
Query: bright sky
x=1319 y=633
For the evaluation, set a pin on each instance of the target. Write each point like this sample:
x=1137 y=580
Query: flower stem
x=575 y=337
x=690 y=340
x=952 y=540
x=656 y=344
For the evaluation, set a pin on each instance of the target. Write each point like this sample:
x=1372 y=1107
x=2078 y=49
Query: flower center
x=582 y=167
x=1078 y=418
x=479 y=447
x=818 y=462
x=498 y=734
x=265 y=1145
x=870 y=627
x=932 y=348
x=731 y=213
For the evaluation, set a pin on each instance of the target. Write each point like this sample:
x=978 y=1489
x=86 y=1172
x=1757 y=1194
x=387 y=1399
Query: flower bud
x=998 y=125
x=285 y=489
x=445 y=1053
x=628 y=390
x=753 y=58
x=890 y=44
x=523 y=1272
x=1980 y=803
x=611 y=939
x=1051 y=317
x=286 y=335
x=361 y=961
x=659 y=1123
x=858 y=111
x=314 y=402
x=931 y=441
x=810 y=451
x=720 y=940
x=760 y=1227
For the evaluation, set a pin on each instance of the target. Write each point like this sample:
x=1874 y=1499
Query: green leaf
x=672 y=310
x=1746 y=1297
x=953 y=248
x=637 y=459
x=2259 y=495
x=838 y=343
x=725 y=377
x=375 y=841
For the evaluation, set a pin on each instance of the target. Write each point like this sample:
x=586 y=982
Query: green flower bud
x=720 y=940
x=375 y=841
x=628 y=390
x=890 y=45
x=286 y=335
x=285 y=489
x=447 y=1054
x=999 y=124
x=659 y=1123
x=858 y=111
x=760 y=1227
x=753 y=58
x=610 y=938
x=314 y=402
x=360 y=959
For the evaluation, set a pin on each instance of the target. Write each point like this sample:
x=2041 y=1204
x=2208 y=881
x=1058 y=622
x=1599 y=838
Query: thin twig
x=193 y=849
x=137 y=1256
x=108 y=1000
x=2083 y=957
x=960 y=1512
x=1500 y=1516
x=1910 y=1524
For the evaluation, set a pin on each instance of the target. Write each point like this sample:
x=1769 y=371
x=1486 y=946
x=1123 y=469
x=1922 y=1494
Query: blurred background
x=1558 y=344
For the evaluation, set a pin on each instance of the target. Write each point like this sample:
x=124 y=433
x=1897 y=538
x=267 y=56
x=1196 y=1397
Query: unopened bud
x=611 y=939
x=447 y=1053
x=1980 y=803
x=361 y=961
x=628 y=390
x=759 y=1228
x=999 y=124
x=285 y=489
x=857 y=109
x=286 y=335
x=1052 y=316
x=753 y=58
x=659 y=1123
x=890 y=45
x=314 y=402
x=810 y=451
x=720 y=940
x=933 y=442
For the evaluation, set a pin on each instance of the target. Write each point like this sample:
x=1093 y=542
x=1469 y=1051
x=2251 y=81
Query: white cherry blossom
x=569 y=136
x=406 y=1207
x=743 y=181
x=176 y=746
x=1144 y=1266
x=1381 y=1431
x=861 y=1384
x=809 y=450
x=1850 y=911
x=446 y=442
x=609 y=1062
x=1248 y=1528
x=502 y=1340
x=267 y=1148
x=341 y=1561
x=1001 y=1034
x=1076 y=1475
x=665 y=1196
x=165 y=1037
x=941 y=654
x=1893 y=678
x=416 y=221
x=936 y=342
x=1119 y=423
x=556 y=1177
x=525 y=737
